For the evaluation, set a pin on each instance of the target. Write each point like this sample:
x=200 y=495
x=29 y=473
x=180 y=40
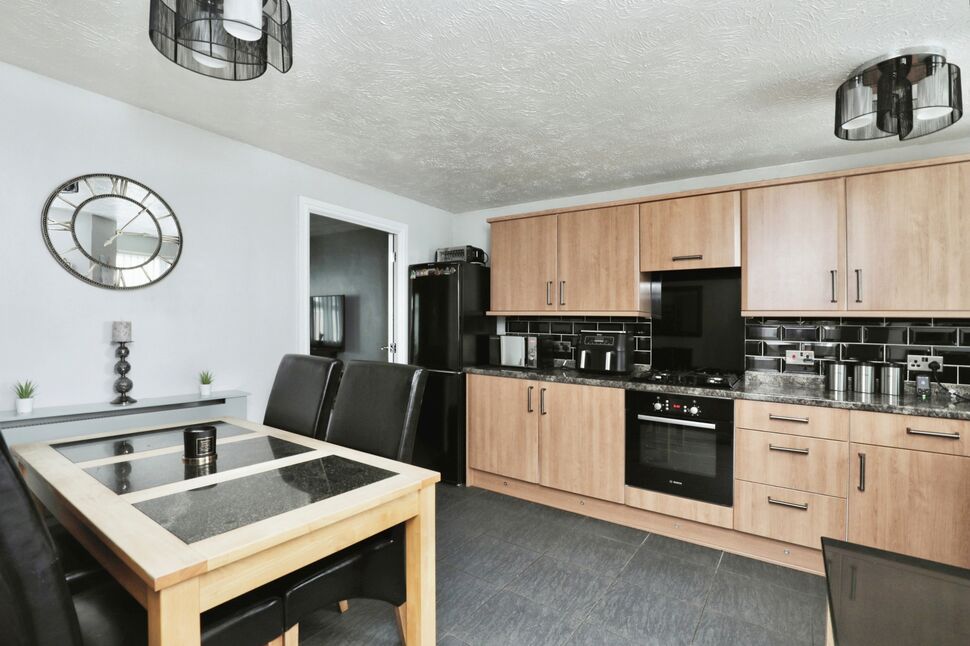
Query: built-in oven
x=681 y=445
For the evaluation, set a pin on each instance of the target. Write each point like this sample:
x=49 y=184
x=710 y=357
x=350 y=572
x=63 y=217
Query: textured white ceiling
x=467 y=104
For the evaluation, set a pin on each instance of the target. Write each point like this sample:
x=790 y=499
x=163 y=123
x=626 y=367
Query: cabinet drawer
x=950 y=436
x=791 y=419
x=804 y=463
x=787 y=515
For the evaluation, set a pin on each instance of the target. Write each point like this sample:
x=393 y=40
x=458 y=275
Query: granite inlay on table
x=182 y=541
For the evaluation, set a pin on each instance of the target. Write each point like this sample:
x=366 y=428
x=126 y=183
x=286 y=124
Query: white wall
x=471 y=227
x=229 y=306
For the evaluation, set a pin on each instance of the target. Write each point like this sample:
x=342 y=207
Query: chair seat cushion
x=109 y=616
x=371 y=569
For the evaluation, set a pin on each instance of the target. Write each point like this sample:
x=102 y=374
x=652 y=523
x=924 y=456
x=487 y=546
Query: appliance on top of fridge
x=448 y=333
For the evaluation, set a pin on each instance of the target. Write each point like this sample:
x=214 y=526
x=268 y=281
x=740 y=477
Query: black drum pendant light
x=910 y=93
x=226 y=39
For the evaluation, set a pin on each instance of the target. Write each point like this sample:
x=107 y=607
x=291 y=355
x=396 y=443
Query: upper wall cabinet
x=578 y=262
x=909 y=240
x=793 y=247
x=524 y=277
x=698 y=232
x=599 y=260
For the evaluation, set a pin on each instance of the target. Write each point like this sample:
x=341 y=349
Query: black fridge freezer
x=448 y=332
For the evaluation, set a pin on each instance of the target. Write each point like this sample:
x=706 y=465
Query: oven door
x=683 y=457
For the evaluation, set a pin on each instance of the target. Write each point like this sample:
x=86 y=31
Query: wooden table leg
x=173 y=615
x=419 y=539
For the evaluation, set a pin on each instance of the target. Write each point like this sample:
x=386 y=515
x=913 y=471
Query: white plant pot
x=25 y=406
x=205 y=390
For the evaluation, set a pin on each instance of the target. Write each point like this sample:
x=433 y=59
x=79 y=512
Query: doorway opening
x=352 y=289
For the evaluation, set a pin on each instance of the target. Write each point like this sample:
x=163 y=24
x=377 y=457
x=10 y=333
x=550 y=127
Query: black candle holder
x=123 y=384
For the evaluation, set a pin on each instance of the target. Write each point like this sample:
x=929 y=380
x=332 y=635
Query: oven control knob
x=693 y=410
x=657 y=405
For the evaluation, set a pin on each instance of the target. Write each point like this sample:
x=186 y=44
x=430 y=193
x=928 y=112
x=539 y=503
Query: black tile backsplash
x=566 y=329
x=933 y=336
x=767 y=340
x=886 y=335
x=800 y=333
x=849 y=339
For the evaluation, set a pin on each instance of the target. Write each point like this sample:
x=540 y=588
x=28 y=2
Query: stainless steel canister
x=864 y=378
x=892 y=376
x=837 y=377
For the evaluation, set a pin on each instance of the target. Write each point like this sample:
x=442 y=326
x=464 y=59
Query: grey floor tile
x=669 y=575
x=697 y=554
x=450 y=538
x=451 y=640
x=510 y=619
x=526 y=530
x=777 y=574
x=367 y=623
x=447 y=495
x=596 y=553
x=595 y=635
x=720 y=630
x=492 y=559
x=458 y=596
x=620 y=533
x=765 y=604
x=564 y=587
x=646 y=618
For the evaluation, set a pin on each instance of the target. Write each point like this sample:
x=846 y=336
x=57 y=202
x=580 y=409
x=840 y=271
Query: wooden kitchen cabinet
x=503 y=426
x=787 y=515
x=793 y=247
x=581 y=440
x=599 y=260
x=912 y=502
x=698 y=232
x=908 y=236
x=523 y=275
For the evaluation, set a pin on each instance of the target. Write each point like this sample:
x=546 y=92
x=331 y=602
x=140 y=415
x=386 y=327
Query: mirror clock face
x=111 y=231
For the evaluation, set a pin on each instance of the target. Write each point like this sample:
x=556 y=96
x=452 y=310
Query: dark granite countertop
x=783 y=389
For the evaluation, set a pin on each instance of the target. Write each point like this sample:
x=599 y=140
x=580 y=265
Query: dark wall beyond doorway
x=353 y=261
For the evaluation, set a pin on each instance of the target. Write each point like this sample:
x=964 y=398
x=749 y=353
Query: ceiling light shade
x=909 y=94
x=223 y=38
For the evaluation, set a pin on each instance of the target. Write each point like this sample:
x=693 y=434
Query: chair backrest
x=35 y=602
x=377 y=409
x=303 y=394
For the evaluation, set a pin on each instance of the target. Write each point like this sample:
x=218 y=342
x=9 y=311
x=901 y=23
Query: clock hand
x=118 y=232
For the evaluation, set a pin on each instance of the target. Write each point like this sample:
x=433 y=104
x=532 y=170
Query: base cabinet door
x=503 y=426
x=912 y=502
x=581 y=440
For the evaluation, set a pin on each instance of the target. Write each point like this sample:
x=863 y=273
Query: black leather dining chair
x=38 y=608
x=303 y=393
x=376 y=411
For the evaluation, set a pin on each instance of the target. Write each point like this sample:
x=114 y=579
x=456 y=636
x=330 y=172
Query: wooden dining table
x=182 y=539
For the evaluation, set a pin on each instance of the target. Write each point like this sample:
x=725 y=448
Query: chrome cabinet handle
x=562 y=292
x=787 y=449
x=785 y=503
x=542 y=401
x=835 y=293
x=698 y=256
x=940 y=434
x=529 y=402
x=786 y=418
x=862 y=472
x=548 y=292
x=858 y=285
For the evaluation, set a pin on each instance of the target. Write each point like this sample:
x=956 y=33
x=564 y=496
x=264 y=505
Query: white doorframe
x=398 y=290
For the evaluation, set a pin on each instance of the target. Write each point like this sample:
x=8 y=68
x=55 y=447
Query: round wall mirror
x=111 y=231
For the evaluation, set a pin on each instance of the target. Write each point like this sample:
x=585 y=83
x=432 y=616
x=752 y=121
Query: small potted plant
x=205 y=383
x=25 y=392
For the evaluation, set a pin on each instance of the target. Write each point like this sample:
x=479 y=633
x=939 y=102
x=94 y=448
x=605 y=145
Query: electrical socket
x=800 y=357
x=921 y=362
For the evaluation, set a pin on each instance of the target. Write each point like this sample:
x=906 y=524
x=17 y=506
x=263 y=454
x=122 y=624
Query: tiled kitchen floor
x=512 y=572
